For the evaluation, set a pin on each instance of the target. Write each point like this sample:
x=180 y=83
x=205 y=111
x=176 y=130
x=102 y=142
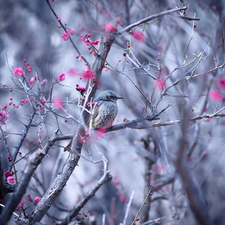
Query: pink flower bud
x=32 y=79
x=37 y=199
x=44 y=82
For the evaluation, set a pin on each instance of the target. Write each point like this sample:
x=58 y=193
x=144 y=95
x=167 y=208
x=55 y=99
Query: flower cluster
x=3 y=117
x=27 y=65
x=87 y=41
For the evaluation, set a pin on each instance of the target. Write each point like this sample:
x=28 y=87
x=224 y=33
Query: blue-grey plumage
x=106 y=111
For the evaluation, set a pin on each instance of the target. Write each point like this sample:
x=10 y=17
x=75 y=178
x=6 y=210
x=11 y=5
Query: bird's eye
x=108 y=98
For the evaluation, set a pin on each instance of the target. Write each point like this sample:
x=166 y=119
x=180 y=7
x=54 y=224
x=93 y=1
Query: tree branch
x=128 y=28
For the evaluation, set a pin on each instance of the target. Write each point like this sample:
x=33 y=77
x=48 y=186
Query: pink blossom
x=106 y=14
x=87 y=74
x=7 y=173
x=72 y=72
x=96 y=42
x=21 y=203
x=26 y=101
x=29 y=69
x=3 y=117
x=93 y=104
x=80 y=57
x=221 y=82
x=105 y=69
x=18 y=72
x=214 y=7
x=160 y=84
x=138 y=35
x=80 y=88
x=32 y=79
x=10 y=180
x=99 y=133
x=59 y=19
x=44 y=82
x=37 y=199
x=65 y=36
x=4 y=107
x=58 y=102
x=216 y=95
x=190 y=159
x=71 y=32
x=61 y=77
x=110 y=27
x=159 y=167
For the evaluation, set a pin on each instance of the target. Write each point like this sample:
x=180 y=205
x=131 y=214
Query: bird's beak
x=119 y=97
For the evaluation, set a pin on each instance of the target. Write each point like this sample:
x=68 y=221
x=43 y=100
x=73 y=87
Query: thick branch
x=62 y=178
x=197 y=204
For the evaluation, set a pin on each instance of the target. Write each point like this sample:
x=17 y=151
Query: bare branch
x=128 y=28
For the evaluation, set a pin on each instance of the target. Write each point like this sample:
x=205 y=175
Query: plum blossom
x=70 y=32
x=65 y=36
x=7 y=173
x=87 y=74
x=58 y=102
x=10 y=180
x=3 y=117
x=72 y=72
x=61 y=77
x=99 y=133
x=80 y=88
x=160 y=84
x=110 y=27
x=216 y=95
x=18 y=72
x=138 y=35
x=21 y=203
x=221 y=83
x=37 y=199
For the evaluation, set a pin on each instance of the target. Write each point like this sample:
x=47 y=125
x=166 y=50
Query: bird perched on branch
x=104 y=110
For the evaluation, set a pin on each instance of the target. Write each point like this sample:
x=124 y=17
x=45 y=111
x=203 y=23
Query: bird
x=104 y=110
